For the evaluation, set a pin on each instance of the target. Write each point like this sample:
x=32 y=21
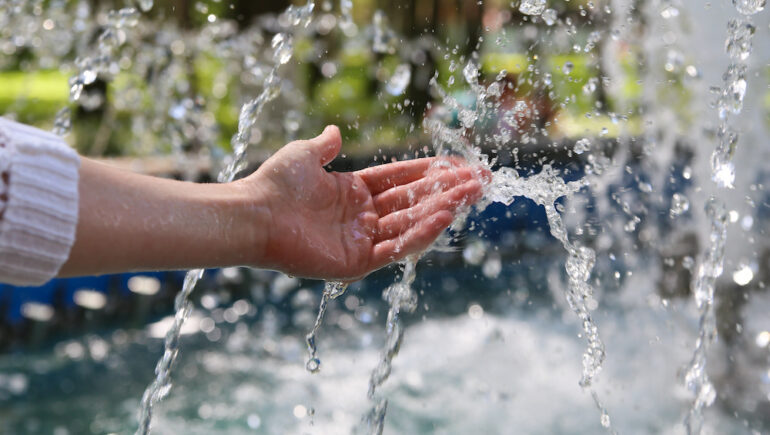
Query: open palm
x=345 y=225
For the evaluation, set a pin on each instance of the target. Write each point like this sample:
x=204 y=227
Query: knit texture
x=40 y=211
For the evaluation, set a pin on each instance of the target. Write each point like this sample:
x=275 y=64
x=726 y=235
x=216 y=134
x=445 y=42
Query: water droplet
x=474 y=252
x=63 y=122
x=669 y=12
x=283 y=48
x=749 y=7
x=590 y=87
x=532 y=7
x=400 y=80
x=688 y=262
x=514 y=116
x=763 y=340
x=582 y=146
x=88 y=76
x=593 y=38
x=254 y=421
x=492 y=267
x=475 y=311
x=300 y=411
x=126 y=17
x=731 y=100
x=568 y=67
x=645 y=187
x=679 y=204
x=605 y=419
x=292 y=121
x=471 y=73
x=76 y=90
x=743 y=275
x=723 y=172
x=313 y=365
x=630 y=226
x=145 y=5
x=550 y=16
x=177 y=111
x=739 y=36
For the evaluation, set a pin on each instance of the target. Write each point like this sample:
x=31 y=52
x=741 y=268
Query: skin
x=290 y=215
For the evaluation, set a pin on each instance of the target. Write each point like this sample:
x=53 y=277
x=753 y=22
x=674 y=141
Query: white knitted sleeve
x=38 y=203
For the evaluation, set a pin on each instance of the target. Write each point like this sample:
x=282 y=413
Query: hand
x=342 y=226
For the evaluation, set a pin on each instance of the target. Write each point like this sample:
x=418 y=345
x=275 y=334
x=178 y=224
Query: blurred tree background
x=191 y=64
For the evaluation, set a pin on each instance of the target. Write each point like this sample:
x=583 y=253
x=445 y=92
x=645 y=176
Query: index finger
x=383 y=177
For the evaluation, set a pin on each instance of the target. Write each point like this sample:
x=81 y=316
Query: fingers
x=407 y=195
x=383 y=177
x=327 y=145
x=401 y=221
x=415 y=240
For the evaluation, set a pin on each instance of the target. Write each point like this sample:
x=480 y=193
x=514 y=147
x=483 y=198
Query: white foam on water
x=513 y=373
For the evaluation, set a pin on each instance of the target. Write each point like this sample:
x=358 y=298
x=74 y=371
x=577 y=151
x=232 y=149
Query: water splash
x=532 y=7
x=544 y=188
x=102 y=63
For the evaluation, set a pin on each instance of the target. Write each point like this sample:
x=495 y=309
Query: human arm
x=290 y=215
x=134 y=222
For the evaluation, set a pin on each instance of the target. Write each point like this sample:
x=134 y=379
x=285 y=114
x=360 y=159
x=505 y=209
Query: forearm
x=134 y=222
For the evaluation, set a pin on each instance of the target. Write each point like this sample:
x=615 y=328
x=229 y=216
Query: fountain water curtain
x=482 y=125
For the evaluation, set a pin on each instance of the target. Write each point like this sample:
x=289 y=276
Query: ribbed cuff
x=37 y=228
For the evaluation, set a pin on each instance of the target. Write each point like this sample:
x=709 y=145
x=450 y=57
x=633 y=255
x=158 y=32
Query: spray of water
x=545 y=188
x=729 y=102
x=102 y=63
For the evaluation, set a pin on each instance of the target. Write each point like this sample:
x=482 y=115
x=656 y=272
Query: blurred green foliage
x=353 y=97
x=35 y=96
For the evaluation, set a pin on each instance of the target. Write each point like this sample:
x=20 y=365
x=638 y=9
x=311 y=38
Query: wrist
x=252 y=223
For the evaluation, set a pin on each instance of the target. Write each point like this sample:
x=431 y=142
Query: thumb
x=327 y=145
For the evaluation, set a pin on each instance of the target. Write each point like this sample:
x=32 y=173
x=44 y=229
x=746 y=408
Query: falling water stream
x=729 y=101
x=332 y=290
